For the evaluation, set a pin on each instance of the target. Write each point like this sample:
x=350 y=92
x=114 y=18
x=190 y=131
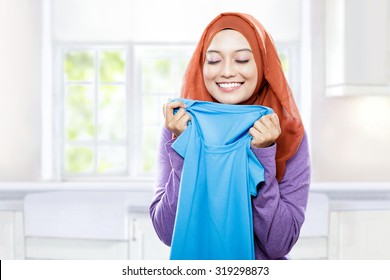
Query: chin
x=234 y=100
x=230 y=98
x=231 y=102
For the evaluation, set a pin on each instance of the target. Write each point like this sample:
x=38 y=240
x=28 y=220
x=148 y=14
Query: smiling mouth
x=229 y=86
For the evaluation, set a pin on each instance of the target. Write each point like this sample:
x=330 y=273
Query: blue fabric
x=220 y=173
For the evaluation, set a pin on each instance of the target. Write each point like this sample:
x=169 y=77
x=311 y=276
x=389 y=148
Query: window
x=162 y=69
x=112 y=106
x=288 y=55
x=95 y=138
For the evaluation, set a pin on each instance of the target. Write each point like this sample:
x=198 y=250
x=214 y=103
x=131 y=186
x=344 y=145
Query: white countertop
x=141 y=185
x=342 y=195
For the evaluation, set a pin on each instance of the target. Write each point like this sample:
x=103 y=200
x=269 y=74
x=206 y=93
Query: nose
x=228 y=70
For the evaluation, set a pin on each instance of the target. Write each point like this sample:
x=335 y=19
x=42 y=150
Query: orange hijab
x=272 y=89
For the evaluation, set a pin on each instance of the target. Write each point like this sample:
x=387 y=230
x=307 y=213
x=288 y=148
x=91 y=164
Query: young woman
x=236 y=63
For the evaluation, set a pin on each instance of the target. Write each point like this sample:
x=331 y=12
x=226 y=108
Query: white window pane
x=153 y=108
x=284 y=59
x=112 y=66
x=79 y=159
x=79 y=66
x=181 y=67
x=79 y=113
x=112 y=159
x=162 y=73
x=95 y=112
x=158 y=76
x=112 y=113
x=150 y=145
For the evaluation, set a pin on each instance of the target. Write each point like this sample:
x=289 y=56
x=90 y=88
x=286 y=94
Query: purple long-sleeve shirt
x=278 y=209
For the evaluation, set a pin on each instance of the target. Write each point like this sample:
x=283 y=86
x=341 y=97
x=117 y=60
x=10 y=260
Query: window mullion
x=127 y=86
x=96 y=117
x=61 y=120
x=132 y=127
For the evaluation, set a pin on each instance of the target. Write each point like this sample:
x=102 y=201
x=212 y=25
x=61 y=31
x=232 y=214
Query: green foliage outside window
x=95 y=112
x=79 y=66
x=112 y=66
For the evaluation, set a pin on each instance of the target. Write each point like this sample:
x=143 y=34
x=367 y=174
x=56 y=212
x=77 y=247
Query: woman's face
x=229 y=71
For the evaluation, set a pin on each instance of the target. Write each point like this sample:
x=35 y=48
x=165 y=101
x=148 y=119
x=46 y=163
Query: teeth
x=229 y=85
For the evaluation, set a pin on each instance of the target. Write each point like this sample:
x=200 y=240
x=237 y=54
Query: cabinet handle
x=133 y=230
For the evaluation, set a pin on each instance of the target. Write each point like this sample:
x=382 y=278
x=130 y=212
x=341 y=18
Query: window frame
x=139 y=50
x=95 y=143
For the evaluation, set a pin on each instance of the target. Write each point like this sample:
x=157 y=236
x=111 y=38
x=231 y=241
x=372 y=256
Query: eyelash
x=238 y=61
x=242 y=61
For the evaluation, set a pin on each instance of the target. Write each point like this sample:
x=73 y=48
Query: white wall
x=350 y=135
x=169 y=20
x=20 y=90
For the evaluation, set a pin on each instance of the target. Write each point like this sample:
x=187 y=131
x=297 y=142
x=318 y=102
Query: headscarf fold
x=272 y=89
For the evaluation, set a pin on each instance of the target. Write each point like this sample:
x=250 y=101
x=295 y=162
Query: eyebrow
x=240 y=50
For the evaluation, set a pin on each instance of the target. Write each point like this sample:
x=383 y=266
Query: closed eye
x=212 y=61
x=242 y=61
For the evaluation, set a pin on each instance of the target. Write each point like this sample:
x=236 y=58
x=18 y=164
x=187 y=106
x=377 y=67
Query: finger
x=176 y=104
x=274 y=119
x=176 y=121
x=179 y=123
x=184 y=119
x=170 y=106
x=164 y=108
x=257 y=138
x=266 y=121
x=265 y=133
x=179 y=114
x=165 y=105
x=254 y=132
x=260 y=126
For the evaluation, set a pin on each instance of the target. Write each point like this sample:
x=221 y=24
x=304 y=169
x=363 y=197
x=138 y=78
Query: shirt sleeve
x=163 y=207
x=279 y=207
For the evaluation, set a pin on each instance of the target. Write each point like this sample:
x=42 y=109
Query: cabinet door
x=11 y=235
x=360 y=235
x=143 y=240
x=357 y=47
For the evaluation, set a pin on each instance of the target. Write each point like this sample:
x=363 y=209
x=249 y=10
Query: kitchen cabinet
x=357 y=47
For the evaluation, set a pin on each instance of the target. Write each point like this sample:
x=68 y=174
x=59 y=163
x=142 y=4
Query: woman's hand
x=265 y=131
x=177 y=122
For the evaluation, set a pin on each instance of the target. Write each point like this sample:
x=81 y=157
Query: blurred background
x=82 y=84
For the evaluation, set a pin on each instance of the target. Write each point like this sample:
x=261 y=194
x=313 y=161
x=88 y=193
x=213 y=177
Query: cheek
x=250 y=75
x=251 y=72
x=207 y=73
